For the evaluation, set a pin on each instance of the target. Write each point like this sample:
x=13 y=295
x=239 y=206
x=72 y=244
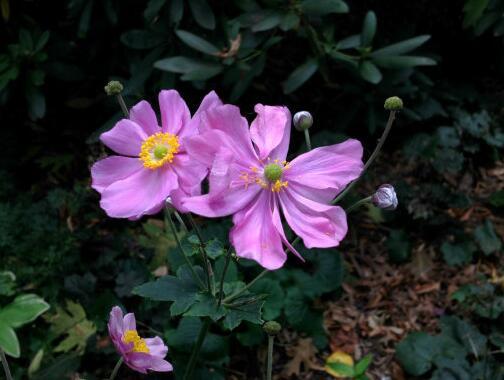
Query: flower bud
x=385 y=197
x=272 y=328
x=114 y=87
x=393 y=103
x=302 y=120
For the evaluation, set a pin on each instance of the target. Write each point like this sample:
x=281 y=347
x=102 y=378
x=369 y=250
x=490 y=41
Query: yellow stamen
x=159 y=149
x=139 y=344
x=279 y=185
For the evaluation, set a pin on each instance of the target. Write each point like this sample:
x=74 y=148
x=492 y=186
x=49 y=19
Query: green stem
x=246 y=287
x=371 y=158
x=116 y=368
x=226 y=265
x=307 y=138
x=196 y=349
x=186 y=258
x=180 y=220
x=269 y=370
x=5 y=364
x=208 y=268
x=358 y=204
x=122 y=104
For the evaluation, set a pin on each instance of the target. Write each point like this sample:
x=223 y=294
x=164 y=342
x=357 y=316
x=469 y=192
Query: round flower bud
x=302 y=120
x=272 y=328
x=385 y=197
x=114 y=87
x=393 y=103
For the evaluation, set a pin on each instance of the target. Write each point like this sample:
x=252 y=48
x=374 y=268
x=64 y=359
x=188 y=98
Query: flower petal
x=254 y=235
x=125 y=138
x=138 y=194
x=331 y=167
x=115 y=324
x=112 y=169
x=211 y=100
x=270 y=131
x=319 y=225
x=156 y=346
x=143 y=114
x=189 y=171
x=138 y=361
x=174 y=112
x=277 y=222
x=160 y=365
x=129 y=322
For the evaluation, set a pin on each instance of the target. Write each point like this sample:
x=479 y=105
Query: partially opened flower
x=251 y=179
x=152 y=163
x=140 y=354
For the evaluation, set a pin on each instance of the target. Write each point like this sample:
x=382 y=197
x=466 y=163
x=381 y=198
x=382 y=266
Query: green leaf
x=206 y=306
x=176 y=11
x=370 y=72
x=473 y=10
x=7 y=283
x=487 y=239
x=250 y=312
x=368 y=29
x=25 y=40
x=153 y=8
x=186 y=65
x=269 y=20
x=497 y=199
x=350 y=42
x=36 y=102
x=402 y=47
x=341 y=368
x=42 y=41
x=464 y=333
x=197 y=43
x=363 y=364
x=141 y=39
x=202 y=13
x=9 y=341
x=214 y=248
x=323 y=7
x=402 y=61
x=415 y=353
x=203 y=74
x=275 y=297
x=458 y=254
x=24 y=309
x=399 y=246
x=300 y=75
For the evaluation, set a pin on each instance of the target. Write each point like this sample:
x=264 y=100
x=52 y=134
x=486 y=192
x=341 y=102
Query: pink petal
x=211 y=100
x=129 y=322
x=115 y=324
x=190 y=172
x=277 y=222
x=143 y=114
x=138 y=361
x=160 y=365
x=113 y=168
x=138 y=194
x=331 y=167
x=125 y=138
x=270 y=131
x=156 y=347
x=174 y=112
x=319 y=225
x=254 y=235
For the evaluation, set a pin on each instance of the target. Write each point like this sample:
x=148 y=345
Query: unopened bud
x=385 y=197
x=302 y=120
x=394 y=103
x=114 y=87
x=272 y=328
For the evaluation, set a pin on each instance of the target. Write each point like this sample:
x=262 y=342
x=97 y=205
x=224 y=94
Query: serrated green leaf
x=323 y=7
x=274 y=300
x=24 y=309
x=250 y=312
x=206 y=306
x=196 y=42
x=9 y=341
x=368 y=29
x=402 y=47
x=203 y=13
x=370 y=72
x=300 y=75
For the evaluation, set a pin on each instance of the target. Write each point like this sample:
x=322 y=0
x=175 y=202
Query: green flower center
x=273 y=172
x=160 y=151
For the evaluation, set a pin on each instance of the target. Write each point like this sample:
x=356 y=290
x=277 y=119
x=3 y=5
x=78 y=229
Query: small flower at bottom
x=140 y=354
x=385 y=197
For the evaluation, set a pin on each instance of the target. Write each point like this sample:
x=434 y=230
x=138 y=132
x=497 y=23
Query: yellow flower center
x=139 y=345
x=159 y=149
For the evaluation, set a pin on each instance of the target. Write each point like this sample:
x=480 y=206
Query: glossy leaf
x=300 y=75
x=402 y=62
x=370 y=72
x=24 y=309
x=368 y=29
x=402 y=47
x=184 y=65
x=323 y=7
x=197 y=43
x=269 y=21
x=9 y=341
x=202 y=13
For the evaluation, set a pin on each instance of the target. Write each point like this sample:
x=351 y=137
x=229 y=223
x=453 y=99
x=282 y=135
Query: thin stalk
x=186 y=258
x=196 y=349
x=246 y=287
x=371 y=158
x=116 y=368
x=180 y=220
x=358 y=204
x=122 y=104
x=226 y=265
x=307 y=138
x=269 y=370
x=5 y=364
x=208 y=268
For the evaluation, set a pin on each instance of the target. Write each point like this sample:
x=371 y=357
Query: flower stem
x=122 y=104
x=116 y=368
x=223 y=276
x=371 y=158
x=186 y=258
x=358 y=204
x=5 y=364
x=208 y=268
x=196 y=349
x=180 y=220
x=307 y=139
x=246 y=287
x=269 y=370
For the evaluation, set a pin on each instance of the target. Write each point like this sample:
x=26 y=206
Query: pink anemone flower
x=140 y=354
x=153 y=163
x=251 y=180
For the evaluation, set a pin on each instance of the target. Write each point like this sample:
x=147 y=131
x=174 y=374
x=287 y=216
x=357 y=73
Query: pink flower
x=250 y=178
x=140 y=354
x=152 y=163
